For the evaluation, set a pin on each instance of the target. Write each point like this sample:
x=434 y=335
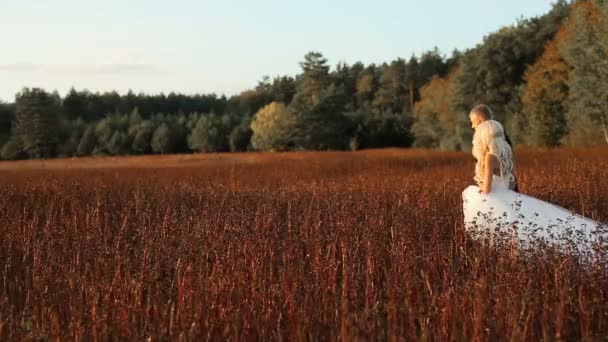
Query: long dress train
x=513 y=215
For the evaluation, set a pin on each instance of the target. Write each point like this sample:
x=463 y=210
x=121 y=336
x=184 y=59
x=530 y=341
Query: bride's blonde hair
x=490 y=138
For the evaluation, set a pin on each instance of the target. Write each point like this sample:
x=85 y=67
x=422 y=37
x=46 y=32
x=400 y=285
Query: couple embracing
x=494 y=206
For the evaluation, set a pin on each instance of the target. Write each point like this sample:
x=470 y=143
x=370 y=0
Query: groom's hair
x=484 y=111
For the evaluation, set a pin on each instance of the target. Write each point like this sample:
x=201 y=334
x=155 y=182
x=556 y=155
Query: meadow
x=317 y=246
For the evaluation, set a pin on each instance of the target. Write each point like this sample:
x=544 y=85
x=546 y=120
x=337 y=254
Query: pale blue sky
x=224 y=46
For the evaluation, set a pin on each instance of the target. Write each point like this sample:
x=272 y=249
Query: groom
x=480 y=114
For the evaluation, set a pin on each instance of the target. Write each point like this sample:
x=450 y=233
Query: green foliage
x=392 y=92
x=95 y=106
x=583 y=131
x=435 y=124
x=75 y=105
x=135 y=118
x=544 y=97
x=428 y=131
x=240 y=137
x=250 y=101
x=324 y=126
x=493 y=72
x=179 y=133
x=112 y=135
x=539 y=95
x=313 y=81
x=586 y=51
x=209 y=135
x=162 y=140
x=282 y=89
x=318 y=97
x=431 y=63
x=13 y=149
x=141 y=136
x=37 y=122
x=88 y=142
x=379 y=129
x=72 y=132
x=345 y=77
x=7 y=116
x=365 y=89
x=118 y=144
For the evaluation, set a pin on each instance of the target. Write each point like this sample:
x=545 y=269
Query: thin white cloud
x=102 y=69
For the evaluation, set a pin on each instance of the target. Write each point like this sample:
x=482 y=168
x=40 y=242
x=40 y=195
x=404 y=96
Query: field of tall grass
x=288 y=246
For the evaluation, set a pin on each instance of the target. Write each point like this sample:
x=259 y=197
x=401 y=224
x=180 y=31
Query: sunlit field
x=295 y=246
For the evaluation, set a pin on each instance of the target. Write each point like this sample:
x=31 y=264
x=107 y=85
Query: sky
x=226 y=46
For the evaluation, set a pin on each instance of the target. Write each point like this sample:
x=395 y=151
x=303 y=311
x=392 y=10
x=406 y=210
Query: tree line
x=351 y=106
x=546 y=79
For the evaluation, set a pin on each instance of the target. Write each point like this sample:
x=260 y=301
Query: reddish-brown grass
x=297 y=246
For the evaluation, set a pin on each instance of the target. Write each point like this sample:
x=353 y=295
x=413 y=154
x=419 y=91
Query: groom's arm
x=513 y=186
x=508 y=140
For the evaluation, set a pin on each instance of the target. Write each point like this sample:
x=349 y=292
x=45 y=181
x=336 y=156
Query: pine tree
x=392 y=92
x=365 y=89
x=324 y=125
x=283 y=89
x=313 y=81
x=37 y=122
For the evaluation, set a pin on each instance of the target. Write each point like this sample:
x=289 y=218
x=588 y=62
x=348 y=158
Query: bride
x=493 y=209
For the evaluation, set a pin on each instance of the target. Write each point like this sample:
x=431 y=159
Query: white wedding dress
x=510 y=216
